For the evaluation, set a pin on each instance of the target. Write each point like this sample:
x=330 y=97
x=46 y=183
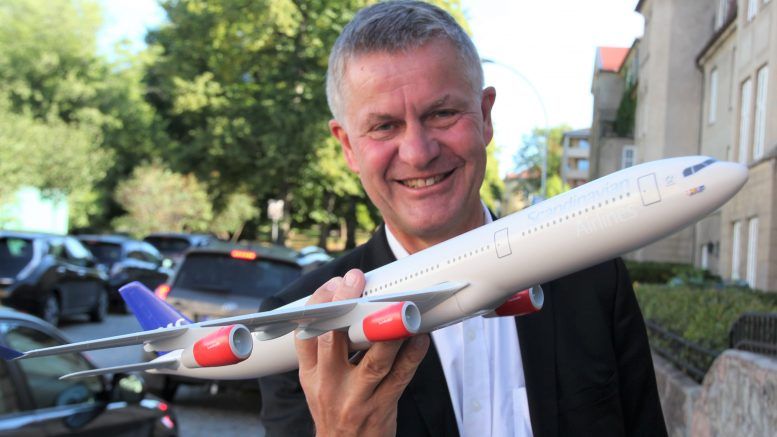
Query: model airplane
x=474 y=274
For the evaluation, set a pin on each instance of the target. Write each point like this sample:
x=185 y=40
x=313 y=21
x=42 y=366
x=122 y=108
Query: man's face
x=416 y=132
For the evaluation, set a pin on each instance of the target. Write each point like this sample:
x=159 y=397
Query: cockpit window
x=698 y=167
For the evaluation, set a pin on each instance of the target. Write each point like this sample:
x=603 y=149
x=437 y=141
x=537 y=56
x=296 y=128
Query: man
x=405 y=87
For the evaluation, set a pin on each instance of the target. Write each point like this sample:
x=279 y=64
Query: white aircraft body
x=474 y=274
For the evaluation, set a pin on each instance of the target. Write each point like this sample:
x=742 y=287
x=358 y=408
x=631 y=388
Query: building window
x=736 y=237
x=752 y=250
x=713 y=96
x=629 y=156
x=746 y=94
x=752 y=9
x=720 y=18
x=705 y=257
x=584 y=144
x=759 y=132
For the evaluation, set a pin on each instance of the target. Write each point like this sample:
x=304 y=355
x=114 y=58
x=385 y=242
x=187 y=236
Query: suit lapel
x=536 y=334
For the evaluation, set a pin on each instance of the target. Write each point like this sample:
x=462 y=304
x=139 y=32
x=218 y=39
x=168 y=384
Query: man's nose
x=418 y=147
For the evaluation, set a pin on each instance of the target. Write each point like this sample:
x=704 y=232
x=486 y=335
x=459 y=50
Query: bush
x=649 y=272
x=701 y=315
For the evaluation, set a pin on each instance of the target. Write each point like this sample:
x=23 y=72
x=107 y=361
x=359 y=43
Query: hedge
x=701 y=315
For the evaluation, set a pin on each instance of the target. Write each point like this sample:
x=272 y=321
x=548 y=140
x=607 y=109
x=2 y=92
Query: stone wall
x=678 y=395
x=738 y=397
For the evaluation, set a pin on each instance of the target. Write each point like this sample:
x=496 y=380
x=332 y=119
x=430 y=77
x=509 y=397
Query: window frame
x=712 y=113
x=759 y=116
x=633 y=151
x=745 y=116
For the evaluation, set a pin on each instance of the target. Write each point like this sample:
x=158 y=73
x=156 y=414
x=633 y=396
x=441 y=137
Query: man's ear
x=487 y=98
x=338 y=131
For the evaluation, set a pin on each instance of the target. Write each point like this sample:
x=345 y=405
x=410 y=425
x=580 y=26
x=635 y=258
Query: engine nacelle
x=227 y=345
x=395 y=321
x=524 y=302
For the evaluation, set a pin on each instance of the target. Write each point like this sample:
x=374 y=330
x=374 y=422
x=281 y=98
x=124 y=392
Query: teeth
x=420 y=183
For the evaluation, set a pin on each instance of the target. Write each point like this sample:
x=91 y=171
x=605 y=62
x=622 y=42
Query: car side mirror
x=128 y=388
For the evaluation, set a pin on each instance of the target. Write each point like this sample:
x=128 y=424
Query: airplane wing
x=156 y=364
x=311 y=319
x=108 y=342
x=272 y=324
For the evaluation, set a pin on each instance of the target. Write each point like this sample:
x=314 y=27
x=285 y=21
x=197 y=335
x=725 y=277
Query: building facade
x=704 y=68
x=575 y=159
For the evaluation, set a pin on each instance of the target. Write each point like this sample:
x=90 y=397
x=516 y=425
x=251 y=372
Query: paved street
x=229 y=412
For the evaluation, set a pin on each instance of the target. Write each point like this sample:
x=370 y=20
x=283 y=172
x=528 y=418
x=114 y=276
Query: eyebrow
x=379 y=116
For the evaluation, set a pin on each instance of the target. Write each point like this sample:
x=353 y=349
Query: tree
x=493 y=186
x=157 y=199
x=240 y=86
x=51 y=76
x=529 y=157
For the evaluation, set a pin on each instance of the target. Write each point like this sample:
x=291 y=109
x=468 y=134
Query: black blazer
x=586 y=359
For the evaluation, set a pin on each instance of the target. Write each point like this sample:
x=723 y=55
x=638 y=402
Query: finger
x=351 y=287
x=333 y=353
x=376 y=363
x=324 y=292
x=407 y=362
x=307 y=350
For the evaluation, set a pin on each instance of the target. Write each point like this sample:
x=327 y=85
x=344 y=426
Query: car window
x=220 y=273
x=106 y=253
x=152 y=254
x=76 y=252
x=15 y=254
x=169 y=245
x=8 y=400
x=136 y=254
x=42 y=373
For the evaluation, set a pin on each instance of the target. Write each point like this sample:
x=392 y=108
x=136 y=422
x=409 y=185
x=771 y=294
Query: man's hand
x=348 y=399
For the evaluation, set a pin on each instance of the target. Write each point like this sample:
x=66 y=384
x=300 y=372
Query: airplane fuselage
x=580 y=228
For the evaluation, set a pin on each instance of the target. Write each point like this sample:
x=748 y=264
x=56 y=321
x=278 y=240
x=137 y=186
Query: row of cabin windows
x=426 y=270
x=574 y=214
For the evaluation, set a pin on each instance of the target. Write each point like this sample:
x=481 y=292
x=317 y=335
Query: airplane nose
x=731 y=174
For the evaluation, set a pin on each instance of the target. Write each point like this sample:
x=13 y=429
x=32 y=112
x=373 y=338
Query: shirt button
x=471 y=335
x=476 y=406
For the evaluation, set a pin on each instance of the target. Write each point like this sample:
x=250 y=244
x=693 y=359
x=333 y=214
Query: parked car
x=51 y=276
x=226 y=280
x=35 y=402
x=126 y=260
x=173 y=245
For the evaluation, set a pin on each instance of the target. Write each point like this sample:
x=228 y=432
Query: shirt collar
x=399 y=250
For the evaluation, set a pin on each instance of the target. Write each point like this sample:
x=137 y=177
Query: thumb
x=352 y=285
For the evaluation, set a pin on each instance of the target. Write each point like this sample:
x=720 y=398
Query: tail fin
x=8 y=354
x=151 y=312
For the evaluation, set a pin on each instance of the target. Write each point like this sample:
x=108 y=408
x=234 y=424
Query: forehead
x=421 y=75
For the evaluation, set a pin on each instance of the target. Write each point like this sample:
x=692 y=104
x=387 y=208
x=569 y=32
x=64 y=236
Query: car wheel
x=100 y=308
x=51 y=310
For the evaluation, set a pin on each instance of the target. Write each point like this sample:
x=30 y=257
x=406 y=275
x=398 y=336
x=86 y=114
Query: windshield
x=220 y=273
x=168 y=245
x=15 y=254
x=106 y=253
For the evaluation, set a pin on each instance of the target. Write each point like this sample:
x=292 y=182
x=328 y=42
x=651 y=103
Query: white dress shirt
x=482 y=364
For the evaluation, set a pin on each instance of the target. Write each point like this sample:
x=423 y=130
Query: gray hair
x=391 y=27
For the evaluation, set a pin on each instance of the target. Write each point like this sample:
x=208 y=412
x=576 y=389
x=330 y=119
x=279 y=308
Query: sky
x=542 y=55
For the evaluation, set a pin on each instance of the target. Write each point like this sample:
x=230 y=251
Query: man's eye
x=443 y=118
x=384 y=127
x=445 y=113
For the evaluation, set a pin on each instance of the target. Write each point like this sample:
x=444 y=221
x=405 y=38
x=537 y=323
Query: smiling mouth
x=425 y=182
